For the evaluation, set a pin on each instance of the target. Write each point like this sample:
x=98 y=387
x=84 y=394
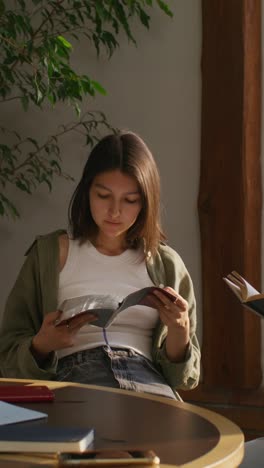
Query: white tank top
x=88 y=271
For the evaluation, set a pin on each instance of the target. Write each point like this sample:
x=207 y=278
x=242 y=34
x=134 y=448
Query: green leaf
x=23 y=186
x=51 y=98
x=39 y=96
x=7 y=207
x=33 y=141
x=64 y=42
x=77 y=109
x=98 y=87
x=164 y=7
x=21 y=4
x=144 y=18
x=2 y=7
x=55 y=165
x=47 y=181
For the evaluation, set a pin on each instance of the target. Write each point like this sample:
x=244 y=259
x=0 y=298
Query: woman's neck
x=109 y=247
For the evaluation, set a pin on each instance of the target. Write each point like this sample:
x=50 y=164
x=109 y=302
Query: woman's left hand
x=175 y=316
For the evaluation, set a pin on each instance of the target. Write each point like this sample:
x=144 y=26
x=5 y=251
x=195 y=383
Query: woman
x=114 y=246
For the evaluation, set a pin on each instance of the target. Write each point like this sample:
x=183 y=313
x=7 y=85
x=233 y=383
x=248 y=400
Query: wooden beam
x=229 y=202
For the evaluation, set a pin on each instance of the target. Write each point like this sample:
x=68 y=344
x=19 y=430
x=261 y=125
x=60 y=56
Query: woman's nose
x=114 y=210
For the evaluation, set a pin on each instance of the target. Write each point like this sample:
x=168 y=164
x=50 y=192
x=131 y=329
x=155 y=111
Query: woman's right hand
x=51 y=338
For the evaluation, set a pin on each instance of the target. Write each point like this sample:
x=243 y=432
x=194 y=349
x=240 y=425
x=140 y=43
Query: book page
x=91 y=303
x=234 y=287
x=248 y=291
x=241 y=287
x=251 y=292
x=134 y=298
x=143 y=297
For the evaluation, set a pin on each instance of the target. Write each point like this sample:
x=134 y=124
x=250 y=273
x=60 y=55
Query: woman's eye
x=132 y=201
x=100 y=195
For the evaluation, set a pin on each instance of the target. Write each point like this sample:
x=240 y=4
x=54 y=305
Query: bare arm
x=50 y=337
x=63 y=250
x=175 y=316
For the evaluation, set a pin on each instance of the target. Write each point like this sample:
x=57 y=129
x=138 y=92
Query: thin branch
x=45 y=20
x=53 y=137
x=10 y=99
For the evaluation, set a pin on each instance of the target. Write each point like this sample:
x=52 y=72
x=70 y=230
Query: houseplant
x=36 y=70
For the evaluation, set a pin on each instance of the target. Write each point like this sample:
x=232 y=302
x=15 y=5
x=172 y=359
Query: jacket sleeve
x=180 y=375
x=21 y=320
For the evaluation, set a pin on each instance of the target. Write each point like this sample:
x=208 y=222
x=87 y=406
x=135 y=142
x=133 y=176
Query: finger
x=168 y=292
x=78 y=322
x=178 y=298
x=164 y=300
x=51 y=317
x=153 y=302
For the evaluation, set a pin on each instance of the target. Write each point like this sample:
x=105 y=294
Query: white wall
x=155 y=90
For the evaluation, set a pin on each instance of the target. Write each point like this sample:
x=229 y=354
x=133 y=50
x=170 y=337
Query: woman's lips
x=114 y=223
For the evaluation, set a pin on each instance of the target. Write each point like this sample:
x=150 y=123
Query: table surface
x=181 y=434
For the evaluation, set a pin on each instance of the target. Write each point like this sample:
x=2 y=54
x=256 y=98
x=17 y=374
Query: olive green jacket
x=35 y=293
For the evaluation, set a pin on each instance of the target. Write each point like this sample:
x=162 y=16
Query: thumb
x=51 y=317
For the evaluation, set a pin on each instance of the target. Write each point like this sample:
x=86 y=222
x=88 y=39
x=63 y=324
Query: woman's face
x=115 y=203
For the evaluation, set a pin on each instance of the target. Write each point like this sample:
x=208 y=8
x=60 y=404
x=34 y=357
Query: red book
x=24 y=393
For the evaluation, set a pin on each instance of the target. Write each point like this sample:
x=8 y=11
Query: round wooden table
x=182 y=435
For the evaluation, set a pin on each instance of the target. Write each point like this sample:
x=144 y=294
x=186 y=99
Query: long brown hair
x=128 y=153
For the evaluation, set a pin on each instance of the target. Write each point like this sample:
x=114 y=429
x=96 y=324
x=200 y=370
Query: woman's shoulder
x=55 y=244
x=175 y=267
x=63 y=248
x=167 y=266
x=167 y=253
x=44 y=241
x=172 y=261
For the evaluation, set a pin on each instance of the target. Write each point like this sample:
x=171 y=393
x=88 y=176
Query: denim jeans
x=111 y=367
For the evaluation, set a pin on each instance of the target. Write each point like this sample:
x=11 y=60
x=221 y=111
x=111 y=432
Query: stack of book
x=19 y=431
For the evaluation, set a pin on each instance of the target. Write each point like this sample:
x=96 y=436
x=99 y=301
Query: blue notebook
x=44 y=438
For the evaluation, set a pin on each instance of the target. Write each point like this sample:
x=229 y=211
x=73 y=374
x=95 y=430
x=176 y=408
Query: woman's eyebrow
x=136 y=192
x=102 y=187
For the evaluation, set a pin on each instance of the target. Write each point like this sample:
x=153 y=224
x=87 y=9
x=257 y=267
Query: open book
x=107 y=307
x=246 y=293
